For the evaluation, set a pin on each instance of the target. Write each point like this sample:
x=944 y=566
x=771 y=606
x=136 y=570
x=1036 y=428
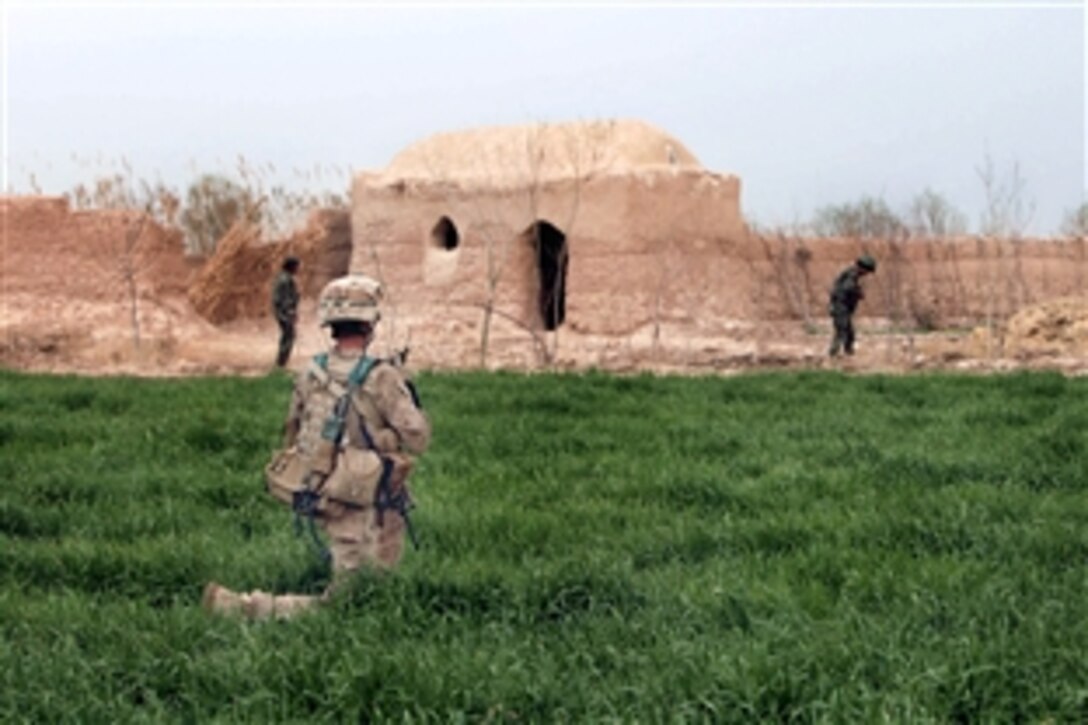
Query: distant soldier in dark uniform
x=845 y=295
x=285 y=307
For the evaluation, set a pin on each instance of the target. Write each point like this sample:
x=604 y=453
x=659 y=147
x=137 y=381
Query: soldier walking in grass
x=845 y=295
x=352 y=431
x=285 y=307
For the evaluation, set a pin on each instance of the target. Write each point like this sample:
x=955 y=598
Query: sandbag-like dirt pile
x=236 y=282
x=1055 y=328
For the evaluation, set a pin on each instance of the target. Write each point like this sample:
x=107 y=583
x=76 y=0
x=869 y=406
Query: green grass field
x=779 y=547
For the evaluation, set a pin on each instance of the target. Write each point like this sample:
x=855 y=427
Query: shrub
x=213 y=204
x=1076 y=221
x=932 y=215
x=868 y=218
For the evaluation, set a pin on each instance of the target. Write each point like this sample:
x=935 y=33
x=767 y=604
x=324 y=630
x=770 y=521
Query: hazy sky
x=809 y=103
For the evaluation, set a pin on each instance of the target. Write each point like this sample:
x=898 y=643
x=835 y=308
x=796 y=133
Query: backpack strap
x=362 y=369
x=386 y=499
x=338 y=421
x=306 y=502
x=319 y=371
x=336 y=425
x=356 y=424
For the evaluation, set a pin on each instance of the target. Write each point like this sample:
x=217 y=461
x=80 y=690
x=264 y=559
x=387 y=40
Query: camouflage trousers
x=843 y=336
x=356 y=540
x=287 y=341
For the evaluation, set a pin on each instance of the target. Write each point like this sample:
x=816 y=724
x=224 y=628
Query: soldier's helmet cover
x=355 y=297
x=867 y=263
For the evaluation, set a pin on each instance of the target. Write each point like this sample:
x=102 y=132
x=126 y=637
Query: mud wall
x=50 y=250
x=919 y=282
x=650 y=252
x=616 y=227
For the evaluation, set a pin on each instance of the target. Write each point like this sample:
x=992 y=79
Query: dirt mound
x=235 y=283
x=1054 y=328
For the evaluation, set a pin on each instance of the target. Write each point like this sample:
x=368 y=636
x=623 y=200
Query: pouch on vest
x=355 y=479
x=321 y=463
x=286 y=474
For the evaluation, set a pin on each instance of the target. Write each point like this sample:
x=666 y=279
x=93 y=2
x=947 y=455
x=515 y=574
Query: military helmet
x=867 y=263
x=355 y=297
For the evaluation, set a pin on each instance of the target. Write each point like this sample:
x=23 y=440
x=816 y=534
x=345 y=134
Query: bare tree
x=213 y=205
x=129 y=261
x=932 y=215
x=130 y=266
x=118 y=191
x=1075 y=223
x=868 y=218
x=371 y=234
x=788 y=258
x=1004 y=219
x=1007 y=213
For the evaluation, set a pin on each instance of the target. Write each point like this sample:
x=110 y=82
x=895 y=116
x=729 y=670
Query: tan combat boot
x=220 y=600
x=260 y=605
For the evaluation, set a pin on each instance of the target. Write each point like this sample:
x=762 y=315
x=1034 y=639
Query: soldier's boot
x=218 y=599
x=260 y=605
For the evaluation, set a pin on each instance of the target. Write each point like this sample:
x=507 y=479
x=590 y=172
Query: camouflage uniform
x=845 y=295
x=285 y=307
x=358 y=536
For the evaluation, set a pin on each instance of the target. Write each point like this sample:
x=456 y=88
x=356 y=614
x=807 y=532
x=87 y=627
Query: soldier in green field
x=357 y=482
x=285 y=307
x=845 y=295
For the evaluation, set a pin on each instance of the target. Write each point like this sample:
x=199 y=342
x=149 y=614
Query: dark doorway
x=550 y=247
x=445 y=235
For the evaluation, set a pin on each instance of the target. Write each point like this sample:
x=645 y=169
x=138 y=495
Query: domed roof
x=541 y=152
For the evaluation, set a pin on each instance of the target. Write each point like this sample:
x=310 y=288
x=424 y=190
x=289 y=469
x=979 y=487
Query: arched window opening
x=445 y=234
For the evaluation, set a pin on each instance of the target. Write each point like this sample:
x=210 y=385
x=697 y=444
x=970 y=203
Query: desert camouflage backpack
x=333 y=457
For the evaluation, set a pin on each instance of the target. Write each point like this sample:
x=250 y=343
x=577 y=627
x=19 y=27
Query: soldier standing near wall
x=285 y=307
x=845 y=295
x=353 y=428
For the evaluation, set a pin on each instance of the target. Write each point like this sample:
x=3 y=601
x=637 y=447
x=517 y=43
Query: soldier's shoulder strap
x=360 y=372
x=364 y=407
x=319 y=370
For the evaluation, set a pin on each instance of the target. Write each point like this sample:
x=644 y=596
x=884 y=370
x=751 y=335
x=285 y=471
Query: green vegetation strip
x=804 y=546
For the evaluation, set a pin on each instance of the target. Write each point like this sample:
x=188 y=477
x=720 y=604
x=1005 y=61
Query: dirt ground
x=106 y=293
x=50 y=335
